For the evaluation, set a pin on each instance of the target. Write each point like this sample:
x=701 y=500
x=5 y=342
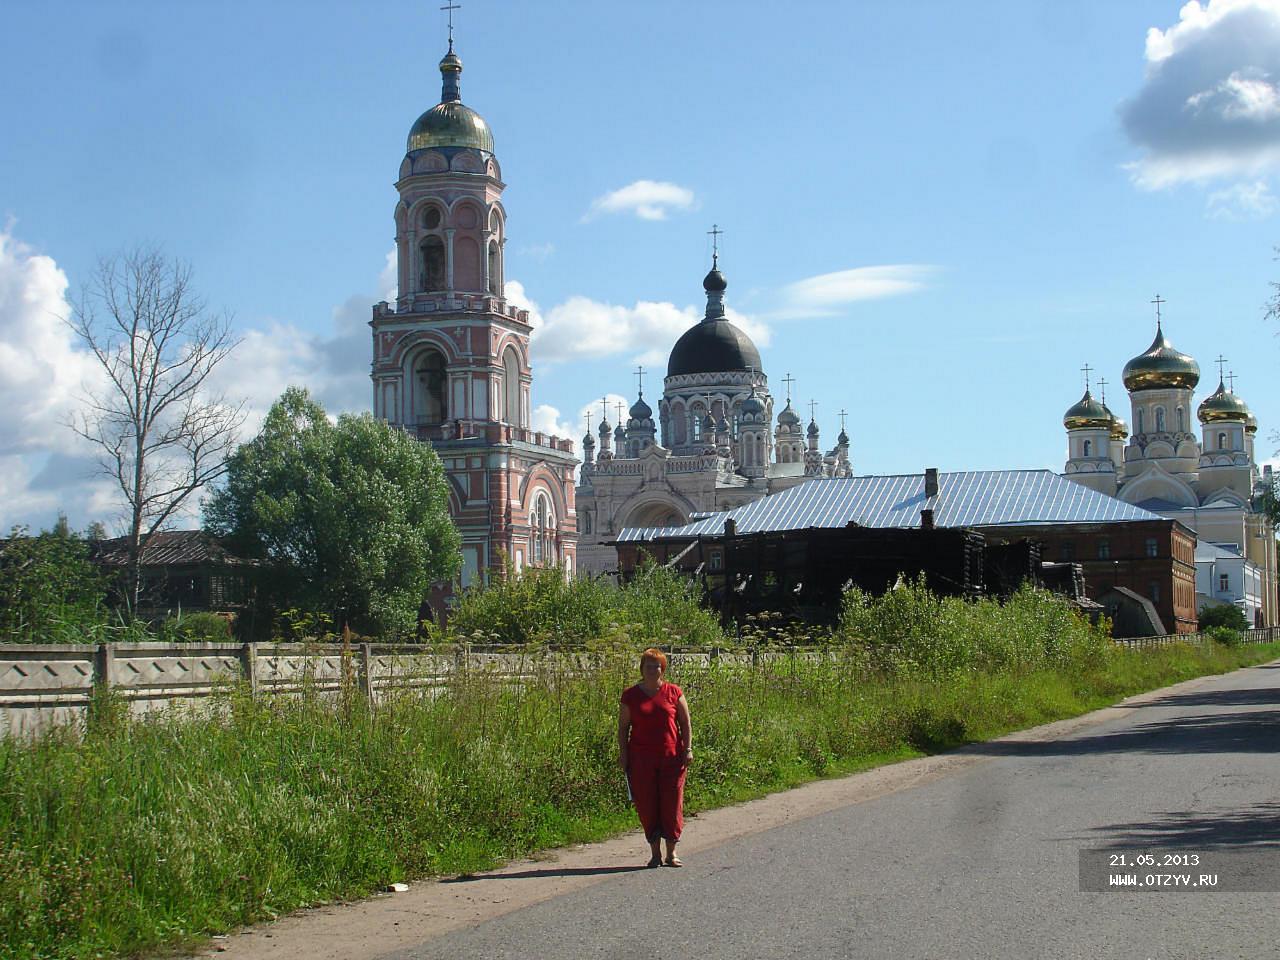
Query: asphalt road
x=980 y=863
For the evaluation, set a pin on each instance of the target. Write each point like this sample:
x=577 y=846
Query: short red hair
x=656 y=655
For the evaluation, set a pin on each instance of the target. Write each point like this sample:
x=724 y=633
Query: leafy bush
x=1224 y=636
x=1223 y=615
x=50 y=591
x=913 y=632
x=197 y=627
x=542 y=605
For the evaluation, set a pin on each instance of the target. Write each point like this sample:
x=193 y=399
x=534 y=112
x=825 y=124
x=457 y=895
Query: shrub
x=1224 y=636
x=50 y=591
x=1223 y=615
x=200 y=627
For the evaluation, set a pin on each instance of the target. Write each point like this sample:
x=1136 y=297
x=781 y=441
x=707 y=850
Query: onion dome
x=604 y=427
x=843 y=438
x=450 y=123
x=714 y=345
x=1221 y=405
x=620 y=434
x=1161 y=367
x=813 y=428
x=723 y=426
x=788 y=416
x=640 y=410
x=709 y=424
x=589 y=441
x=752 y=407
x=1251 y=425
x=1088 y=414
x=1119 y=429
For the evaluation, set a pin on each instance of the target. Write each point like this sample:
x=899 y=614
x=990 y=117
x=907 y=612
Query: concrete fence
x=43 y=685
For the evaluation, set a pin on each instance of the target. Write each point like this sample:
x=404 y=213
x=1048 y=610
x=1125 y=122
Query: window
x=1088 y=444
x=1140 y=430
x=511 y=386
x=1224 y=581
x=431 y=219
x=1180 y=420
x=1159 y=419
x=1153 y=547
x=1222 y=441
x=495 y=269
x=433 y=277
x=1154 y=590
x=586 y=522
x=1104 y=549
x=542 y=532
x=429 y=400
x=717 y=560
x=1068 y=550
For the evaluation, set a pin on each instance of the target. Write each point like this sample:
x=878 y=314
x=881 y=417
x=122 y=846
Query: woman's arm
x=624 y=731
x=686 y=728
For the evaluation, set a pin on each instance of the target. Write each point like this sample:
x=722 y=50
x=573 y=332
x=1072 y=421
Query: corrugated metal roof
x=988 y=498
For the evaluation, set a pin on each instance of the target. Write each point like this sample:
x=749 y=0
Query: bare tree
x=162 y=433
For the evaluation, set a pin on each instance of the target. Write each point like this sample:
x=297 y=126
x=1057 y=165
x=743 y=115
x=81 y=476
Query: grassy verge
x=129 y=835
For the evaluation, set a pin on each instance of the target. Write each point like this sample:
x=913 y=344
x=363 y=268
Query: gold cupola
x=450 y=123
x=1224 y=405
x=1119 y=429
x=1088 y=414
x=1161 y=367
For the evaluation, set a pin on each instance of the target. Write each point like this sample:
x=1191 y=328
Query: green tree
x=50 y=591
x=352 y=518
x=1223 y=615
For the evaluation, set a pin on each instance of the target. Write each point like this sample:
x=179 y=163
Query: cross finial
x=1221 y=362
x=617 y=408
x=450 y=7
x=1102 y=387
x=812 y=405
x=1231 y=378
x=587 y=417
x=843 y=414
x=714 y=233
x=604 y=409
x=1157 y=301
x=640 y=380
x=788 y=380
x=1085 y=370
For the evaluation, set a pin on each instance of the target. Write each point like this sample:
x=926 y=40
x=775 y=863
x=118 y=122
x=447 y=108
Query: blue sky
x=934 y=213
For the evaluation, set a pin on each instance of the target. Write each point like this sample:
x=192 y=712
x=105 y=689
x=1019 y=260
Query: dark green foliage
x=351 y=518
x=50 y=591
x=1223 y=615
x=543 y=606
x=197 y=627
x=1224 y=636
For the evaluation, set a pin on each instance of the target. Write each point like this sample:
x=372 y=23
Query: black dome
x=712 y=346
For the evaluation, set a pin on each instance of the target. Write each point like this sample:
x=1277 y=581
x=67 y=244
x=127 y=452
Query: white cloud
x=1242 y=201
x=646 y=199
x=825 y=294
x=582 y=328
x=1209 y=106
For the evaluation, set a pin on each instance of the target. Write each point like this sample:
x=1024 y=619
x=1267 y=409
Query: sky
x=934 y=214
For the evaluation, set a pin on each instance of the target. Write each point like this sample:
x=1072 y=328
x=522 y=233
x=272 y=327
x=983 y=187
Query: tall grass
x=126 y=834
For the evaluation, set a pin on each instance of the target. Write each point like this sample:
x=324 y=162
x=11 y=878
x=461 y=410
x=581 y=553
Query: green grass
x=130 y=835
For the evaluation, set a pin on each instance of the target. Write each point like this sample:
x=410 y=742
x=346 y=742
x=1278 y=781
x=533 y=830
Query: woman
x=654 y=749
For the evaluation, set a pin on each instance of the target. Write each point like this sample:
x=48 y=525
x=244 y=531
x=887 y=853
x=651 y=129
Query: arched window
x=1140 y=430
x=695 y=427
x=1222 y=441
x=586 y=521
x=433 y=263
x=1088 y=448
x=1180 y=427
x=495 y=269
x=430 y=381
x=542 y=531
x=1159 y=419
x=511 y=386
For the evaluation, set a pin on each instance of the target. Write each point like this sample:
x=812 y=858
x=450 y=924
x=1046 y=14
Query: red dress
x=656 y=767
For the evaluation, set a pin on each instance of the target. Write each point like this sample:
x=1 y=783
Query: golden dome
x=1161 y=367
x=1251 y=425
x=1119 y=429
x=450 y=123
x=1222 y=405
x=1088 y=414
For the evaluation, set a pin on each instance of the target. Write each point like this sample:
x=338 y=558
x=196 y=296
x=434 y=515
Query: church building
x=714 y=446
x=1210 y=484
x=451 y=358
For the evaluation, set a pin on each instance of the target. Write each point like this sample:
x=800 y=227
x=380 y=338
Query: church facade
x=714 y=444
x=451 y=361
x=1209 y=484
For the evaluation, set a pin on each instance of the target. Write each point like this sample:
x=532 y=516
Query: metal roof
x=987 y=498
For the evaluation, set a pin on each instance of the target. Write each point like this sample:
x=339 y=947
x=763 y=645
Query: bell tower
x=451 y=360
